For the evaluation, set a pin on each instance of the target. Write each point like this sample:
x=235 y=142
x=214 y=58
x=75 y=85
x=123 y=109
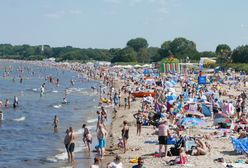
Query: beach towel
x=240 y=145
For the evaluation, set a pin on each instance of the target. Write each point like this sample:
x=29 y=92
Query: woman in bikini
x=124 y=133
x=139 y=121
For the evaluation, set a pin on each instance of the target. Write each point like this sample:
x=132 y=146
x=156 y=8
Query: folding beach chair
x=240 y=145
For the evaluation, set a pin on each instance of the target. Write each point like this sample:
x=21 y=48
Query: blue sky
x=111 y=23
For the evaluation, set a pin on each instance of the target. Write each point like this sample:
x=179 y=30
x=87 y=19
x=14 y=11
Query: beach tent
x=170 y=67
x=146 y=72
x=150 y=81
x=168 y=84
x=221 y=118
x=173 y=82
x=137 y=66
x=206 y=110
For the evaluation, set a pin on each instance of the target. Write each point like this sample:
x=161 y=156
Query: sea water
x=27 y=137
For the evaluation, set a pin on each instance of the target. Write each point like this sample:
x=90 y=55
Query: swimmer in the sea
x=56 y=123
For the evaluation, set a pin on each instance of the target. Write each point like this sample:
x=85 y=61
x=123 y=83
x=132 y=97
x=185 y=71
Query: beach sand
x=146 y=144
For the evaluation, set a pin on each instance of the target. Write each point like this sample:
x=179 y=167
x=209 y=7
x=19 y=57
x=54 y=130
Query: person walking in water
x=71 y=144
x=6 y=104
x=55 y=123
x=15 y=103
x=42 y=89
x=87 y=137
x=66 y=143
x=101 y=135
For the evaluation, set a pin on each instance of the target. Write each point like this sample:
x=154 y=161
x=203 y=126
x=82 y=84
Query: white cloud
x=62 y=13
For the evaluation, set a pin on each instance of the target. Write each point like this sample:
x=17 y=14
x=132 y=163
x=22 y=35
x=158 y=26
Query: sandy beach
x=146 y=145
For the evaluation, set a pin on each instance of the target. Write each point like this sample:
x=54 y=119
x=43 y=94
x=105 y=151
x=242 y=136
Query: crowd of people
x=176 y=98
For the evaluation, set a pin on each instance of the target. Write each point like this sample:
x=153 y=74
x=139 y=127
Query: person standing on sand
x=163 y=134
x=139 y=121
x=66 y=143
x=124 y=133
x=71 y=144
x=119 y=96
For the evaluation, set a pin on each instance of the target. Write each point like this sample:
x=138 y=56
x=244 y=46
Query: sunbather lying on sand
x=202 y=148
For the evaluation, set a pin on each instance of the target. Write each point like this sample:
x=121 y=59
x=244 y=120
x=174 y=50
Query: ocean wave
x=92 y=120
x=57 y=106
x=80 y=131
x=63 y=155
x=20 y=119
x=51 y=160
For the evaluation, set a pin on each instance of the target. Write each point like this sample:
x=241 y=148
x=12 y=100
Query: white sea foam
x=57 y=106
x=20 y=119
x=51 y=160
x=92 y=120
x=55 y=91
x=63 y=155
x=35 y=89
x=80 y=131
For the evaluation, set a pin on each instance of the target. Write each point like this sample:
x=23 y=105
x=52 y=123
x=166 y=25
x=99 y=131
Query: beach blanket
x=240 y=145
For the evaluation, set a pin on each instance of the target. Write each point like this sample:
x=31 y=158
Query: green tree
x=165 y=50
x=143 y=56
x=137 y=43
x=125 y=55
x=223 y=53
x=207 y=54
x=240 y=54
x=154 y=54
x=183 y=48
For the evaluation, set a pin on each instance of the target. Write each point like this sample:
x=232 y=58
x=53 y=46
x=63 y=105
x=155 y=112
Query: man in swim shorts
x=163 y=132
x=71 y=144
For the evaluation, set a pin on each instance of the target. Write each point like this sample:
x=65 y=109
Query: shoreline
x=146 y=144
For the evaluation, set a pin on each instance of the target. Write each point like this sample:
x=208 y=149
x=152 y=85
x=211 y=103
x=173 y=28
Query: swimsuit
x=125 y=133
x=162 y=140
x=71 y=147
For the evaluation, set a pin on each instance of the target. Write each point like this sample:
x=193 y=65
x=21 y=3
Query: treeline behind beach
x=136 y=50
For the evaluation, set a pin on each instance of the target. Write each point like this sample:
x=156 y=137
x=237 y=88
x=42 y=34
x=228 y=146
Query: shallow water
x=27 y=138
